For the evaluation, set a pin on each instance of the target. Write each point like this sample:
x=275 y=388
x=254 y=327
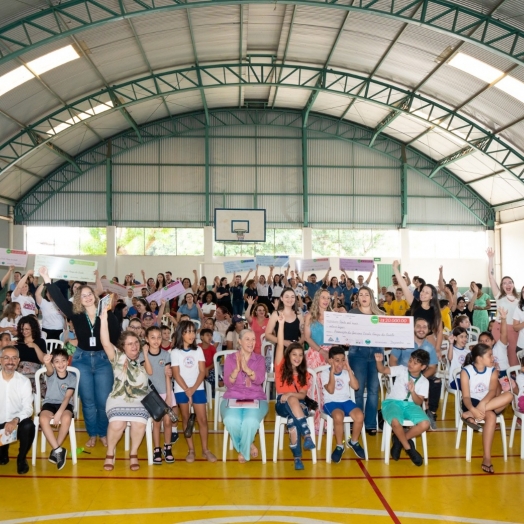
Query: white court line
x=251 y=509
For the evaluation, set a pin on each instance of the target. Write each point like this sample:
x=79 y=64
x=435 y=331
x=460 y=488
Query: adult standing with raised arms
x=89 y=357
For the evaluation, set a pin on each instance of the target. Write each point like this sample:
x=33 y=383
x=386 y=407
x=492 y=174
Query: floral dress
x=130 y=386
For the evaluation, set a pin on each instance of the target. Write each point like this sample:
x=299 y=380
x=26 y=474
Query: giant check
x=13 y=257
x=263 y=260
x=368 y=330
x=357 y=264
x=314 y=264
x=67 y=268
x=168 y=292
x=238 y=266
x=114 y=287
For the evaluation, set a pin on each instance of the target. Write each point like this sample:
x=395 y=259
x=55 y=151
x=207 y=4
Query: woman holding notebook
x=244 y=404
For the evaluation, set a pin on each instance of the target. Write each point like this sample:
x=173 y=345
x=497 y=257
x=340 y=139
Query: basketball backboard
x=240 y=225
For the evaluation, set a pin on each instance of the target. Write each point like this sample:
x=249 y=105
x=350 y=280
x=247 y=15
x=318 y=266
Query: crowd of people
x=136 y=345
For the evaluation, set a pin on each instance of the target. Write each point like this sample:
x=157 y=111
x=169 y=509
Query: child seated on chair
x=206 y=337
x=58 y=404
x=337 y=381
x=404 y=402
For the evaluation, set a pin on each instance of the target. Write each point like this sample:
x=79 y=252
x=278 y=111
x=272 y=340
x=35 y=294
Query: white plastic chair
x=469 y=431
x=330 y=426
x=219 y=390
x=473 y=334
x=516 y=414
x=267 y=349
x=38 y=406
x=278 y=440
x=209 y=394
x=149 y=439
x=261 y=433
x=53 y=344
x=456 y=374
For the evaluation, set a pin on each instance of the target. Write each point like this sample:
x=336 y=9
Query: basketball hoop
x=240 y=234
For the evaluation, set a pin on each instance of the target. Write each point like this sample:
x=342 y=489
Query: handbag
x=311 y=404
x=156 y=406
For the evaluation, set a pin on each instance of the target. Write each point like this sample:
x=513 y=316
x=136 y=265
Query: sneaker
x=61 y=457
x=396 y=448
x=22 y=467
x=174 y=437
x=432 y=420
x=358 y=449
x=299 y=465
x=308 y=443
x=414 y=455
x=336 y=456
x=52 y=457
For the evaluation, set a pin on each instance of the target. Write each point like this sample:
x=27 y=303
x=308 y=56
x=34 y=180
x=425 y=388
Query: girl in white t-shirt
x=518 y=321
x=22 y=296
x=480 y=403
x=457 y=353
x=189 y=370
x=10 y=318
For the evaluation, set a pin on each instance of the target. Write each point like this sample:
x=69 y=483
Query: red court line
x=377 y=491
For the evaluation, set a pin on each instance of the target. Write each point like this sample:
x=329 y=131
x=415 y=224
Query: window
x=278 y=242
x=160 y=241
x=66 y=240
x=355 y=242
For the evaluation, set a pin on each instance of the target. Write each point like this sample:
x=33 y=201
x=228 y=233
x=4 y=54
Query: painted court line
x=250 y=509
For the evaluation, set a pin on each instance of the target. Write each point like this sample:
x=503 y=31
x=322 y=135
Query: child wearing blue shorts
x=337 y=382
x=404 y=402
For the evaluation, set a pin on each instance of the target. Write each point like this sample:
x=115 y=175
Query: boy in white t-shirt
x=337 y=382
x=404 y=402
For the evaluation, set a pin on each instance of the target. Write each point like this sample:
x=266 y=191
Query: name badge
x=92 y=341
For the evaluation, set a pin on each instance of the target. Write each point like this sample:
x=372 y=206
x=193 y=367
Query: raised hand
x=396 y=264
x=503 y=313
x=379 y=357
x=47 y=358
x=490 y=252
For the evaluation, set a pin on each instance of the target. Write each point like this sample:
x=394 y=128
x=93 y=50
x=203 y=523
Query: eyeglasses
x=87 y=295
x=10 y=359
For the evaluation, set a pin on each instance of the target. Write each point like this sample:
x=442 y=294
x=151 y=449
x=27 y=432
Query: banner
x=238 y=266
x=12 y=257
x=167 y=293
x=114 y=287
x=268 y=261
x=357 y=264
x=314 y=264
x=368 y=330
x=137 y=290
x=67 y=268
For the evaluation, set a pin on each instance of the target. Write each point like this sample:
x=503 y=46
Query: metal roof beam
x=459 y=155
x=403 y=105
x=40 y=28
x=186 y=124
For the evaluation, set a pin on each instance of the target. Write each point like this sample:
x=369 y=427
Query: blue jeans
x=294 y=424
x=96 y=382
x=242 y=424
x=363 y=363
x=238 y=307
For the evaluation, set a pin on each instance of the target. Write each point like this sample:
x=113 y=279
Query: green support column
x=404 y=189
x=109 y=185
x=207 y=173
x=305 y=196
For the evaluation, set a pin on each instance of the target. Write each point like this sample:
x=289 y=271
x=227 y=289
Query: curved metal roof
x=383 y=64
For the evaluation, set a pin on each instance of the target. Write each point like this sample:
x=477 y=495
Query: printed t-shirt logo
x=480 y=388
x=339 y=384
x=189 y=362
x=63 y=387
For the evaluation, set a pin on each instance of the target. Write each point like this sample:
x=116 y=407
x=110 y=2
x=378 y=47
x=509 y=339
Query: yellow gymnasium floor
x=449 y=489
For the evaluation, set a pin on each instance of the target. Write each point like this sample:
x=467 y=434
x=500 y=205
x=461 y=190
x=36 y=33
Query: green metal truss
x=194 y=124
x=315 y=79
x=445 y=16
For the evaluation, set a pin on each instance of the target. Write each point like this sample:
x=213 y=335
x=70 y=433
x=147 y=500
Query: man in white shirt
x=16 y=408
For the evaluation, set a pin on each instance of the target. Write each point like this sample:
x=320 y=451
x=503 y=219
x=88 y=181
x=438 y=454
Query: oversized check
x=137 y=290
x=368 y=330
x=67 y=268
x=238 y=266
x=282 y=261
x=114 y=287
x=357 y=264
x=168 y=292
x=13 y=257
x=313 y=264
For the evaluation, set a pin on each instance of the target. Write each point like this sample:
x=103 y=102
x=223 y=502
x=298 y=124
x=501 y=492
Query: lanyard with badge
x=416 y=380
x=92 y=338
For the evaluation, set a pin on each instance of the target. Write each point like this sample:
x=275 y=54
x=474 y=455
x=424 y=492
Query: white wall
x=512 y=250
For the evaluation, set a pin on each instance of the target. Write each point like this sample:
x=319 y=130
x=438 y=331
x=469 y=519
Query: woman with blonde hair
x=363 y=363
x=89 y=357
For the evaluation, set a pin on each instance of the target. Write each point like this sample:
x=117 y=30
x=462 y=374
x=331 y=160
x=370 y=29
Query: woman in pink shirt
x=258 y=322
x=244 y=375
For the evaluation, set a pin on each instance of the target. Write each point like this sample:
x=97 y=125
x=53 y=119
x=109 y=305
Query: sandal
x=253 y=451
x=190 y=457
x=168 y=455
x=91 y=443
x=134 y=467
x=157 y=457
x=111 y=466
x=104 y=441
x=209 y=456
x=488 y=469
x=473 y=425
